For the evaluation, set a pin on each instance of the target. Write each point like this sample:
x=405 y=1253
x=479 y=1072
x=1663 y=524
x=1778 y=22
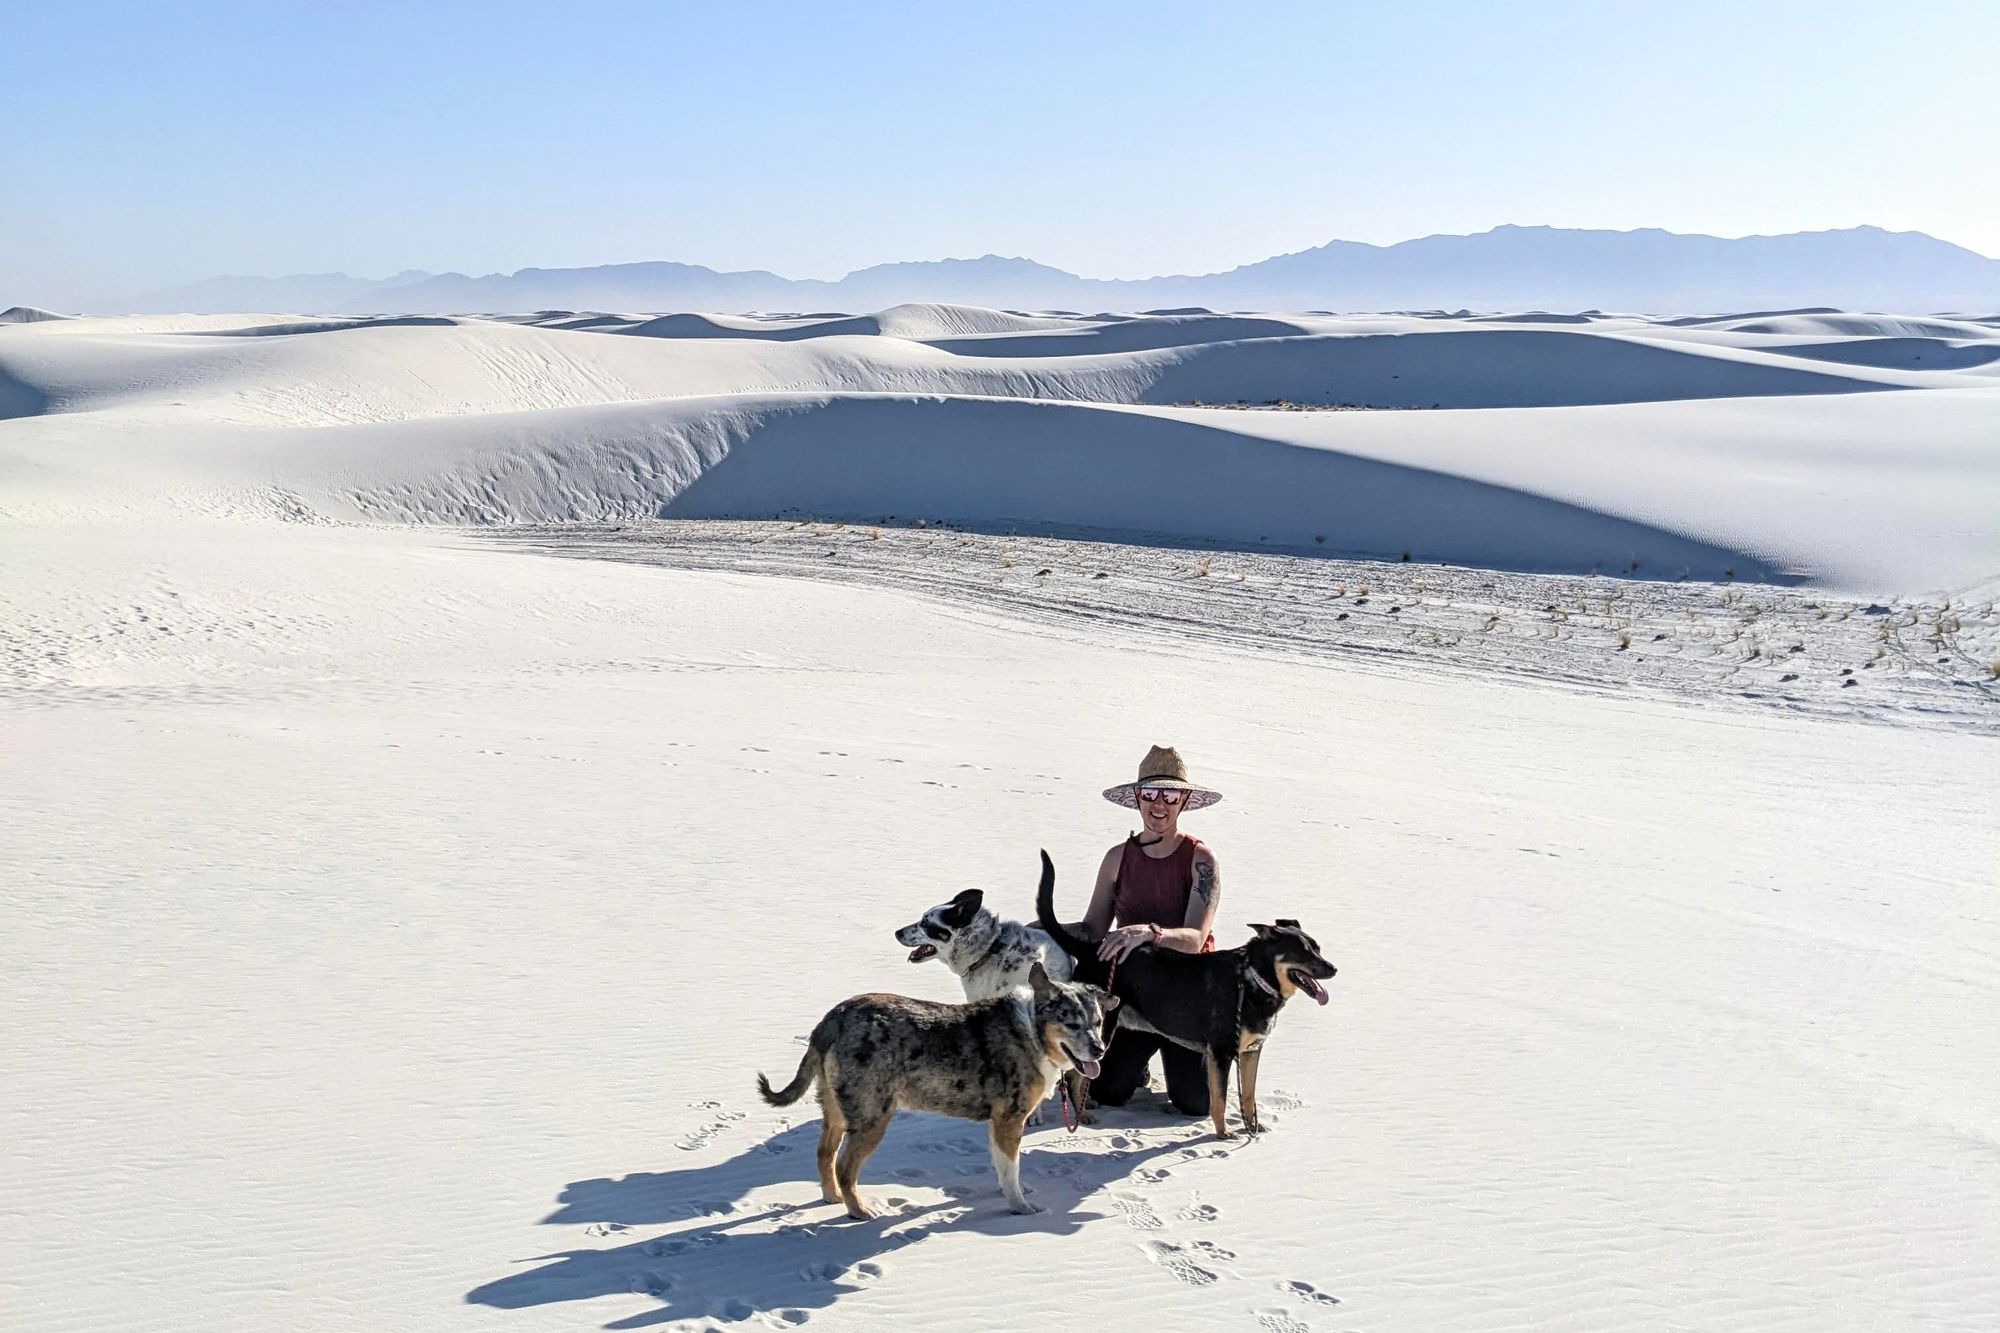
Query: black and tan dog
x=1221 y=1004
x=993 y=1060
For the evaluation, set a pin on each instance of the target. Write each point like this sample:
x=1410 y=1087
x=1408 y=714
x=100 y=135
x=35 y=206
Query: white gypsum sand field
x=398 y=917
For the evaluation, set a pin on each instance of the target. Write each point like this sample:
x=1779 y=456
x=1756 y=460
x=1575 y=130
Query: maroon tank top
x=1154 y=890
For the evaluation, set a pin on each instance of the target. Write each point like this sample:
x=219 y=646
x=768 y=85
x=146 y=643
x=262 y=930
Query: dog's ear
x=1263 y=932
x=1105 y=999
x=963 y=908
x=1289 y=921
x=1038 y=981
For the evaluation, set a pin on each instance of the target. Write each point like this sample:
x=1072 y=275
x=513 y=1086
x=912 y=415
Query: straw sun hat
x=1162 y=767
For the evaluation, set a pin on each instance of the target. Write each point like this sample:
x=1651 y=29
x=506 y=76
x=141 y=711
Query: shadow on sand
x=788 y=1259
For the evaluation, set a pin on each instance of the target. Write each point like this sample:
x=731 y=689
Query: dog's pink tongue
x=1088 y=1068
x=1319 y=994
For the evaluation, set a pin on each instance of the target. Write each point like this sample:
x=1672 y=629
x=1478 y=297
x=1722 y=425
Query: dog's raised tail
x=791 y=1092
x=809 y=1069
x=1045 y=913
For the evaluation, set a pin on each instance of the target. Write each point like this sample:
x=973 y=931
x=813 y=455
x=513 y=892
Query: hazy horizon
x=272 y=140
x=922 y=259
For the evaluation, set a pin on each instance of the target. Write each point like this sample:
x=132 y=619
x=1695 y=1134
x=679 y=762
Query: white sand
x=397 y=919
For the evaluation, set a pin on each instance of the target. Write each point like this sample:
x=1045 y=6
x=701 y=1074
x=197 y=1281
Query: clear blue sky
x=144 y=145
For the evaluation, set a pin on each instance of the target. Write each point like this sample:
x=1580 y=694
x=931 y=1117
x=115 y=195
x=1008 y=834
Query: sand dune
x=1822 y=324
x=917 y=323
x=1622 y=446
x=1901 y=353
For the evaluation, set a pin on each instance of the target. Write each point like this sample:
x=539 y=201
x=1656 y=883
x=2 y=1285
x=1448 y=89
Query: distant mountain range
x=1507 y=268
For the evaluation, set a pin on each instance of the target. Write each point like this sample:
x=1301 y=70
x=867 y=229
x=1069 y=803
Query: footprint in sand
x=650 y=1284
x=1210 y=1250
x=1178 y=1262
x=1139 y=1214
x=1153 y=1175
x=699 y=1138
x=833 y=1272
x=1197 y=1211
x=1306 y=1291
x=791 y=1316
x=1277 y=1321
x=1196 y=1154
x=1279 y=1100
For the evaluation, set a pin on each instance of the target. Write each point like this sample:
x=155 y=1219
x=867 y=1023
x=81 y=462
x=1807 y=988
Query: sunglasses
x=1165 y=795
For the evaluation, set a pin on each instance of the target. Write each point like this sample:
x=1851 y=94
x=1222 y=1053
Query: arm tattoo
x=1204 y=881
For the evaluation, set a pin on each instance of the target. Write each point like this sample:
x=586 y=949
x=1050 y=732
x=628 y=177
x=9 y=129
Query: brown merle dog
x=1221 y=1004
x=992 y=1061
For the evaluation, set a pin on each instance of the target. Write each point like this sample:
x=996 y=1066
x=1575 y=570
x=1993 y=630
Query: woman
x=1158 y=887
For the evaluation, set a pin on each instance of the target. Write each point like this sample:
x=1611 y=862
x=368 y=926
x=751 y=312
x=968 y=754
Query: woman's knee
x=1116 y=1094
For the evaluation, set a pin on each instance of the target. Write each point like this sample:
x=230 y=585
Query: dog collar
x=991 y=949
x=1269 y=989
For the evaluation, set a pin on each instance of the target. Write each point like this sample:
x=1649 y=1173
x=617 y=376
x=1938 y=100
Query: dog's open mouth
x=1309 y=986
x=923 y=951
x=1087 y=1068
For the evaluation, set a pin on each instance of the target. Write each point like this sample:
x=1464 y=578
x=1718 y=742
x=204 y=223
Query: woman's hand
x=1117 y=943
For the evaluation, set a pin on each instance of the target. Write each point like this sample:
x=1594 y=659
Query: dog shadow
x=806 y=1254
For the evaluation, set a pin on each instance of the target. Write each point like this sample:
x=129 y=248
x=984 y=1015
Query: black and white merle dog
x=989 y=956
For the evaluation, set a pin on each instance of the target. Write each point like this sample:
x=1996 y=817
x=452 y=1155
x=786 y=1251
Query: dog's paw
x=1253 y=1127
x=1226 y=1134
x=1024 y=1208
